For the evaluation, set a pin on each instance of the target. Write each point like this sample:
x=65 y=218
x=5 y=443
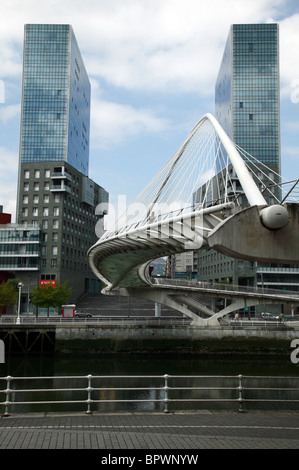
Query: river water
x=145 y=365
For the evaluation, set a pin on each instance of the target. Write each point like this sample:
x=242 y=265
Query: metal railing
x=103 y=320
x=159 y=392
x=219 y=288
x=138 y=320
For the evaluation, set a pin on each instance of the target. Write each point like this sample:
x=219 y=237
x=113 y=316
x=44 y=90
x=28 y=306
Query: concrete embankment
x=171 y=339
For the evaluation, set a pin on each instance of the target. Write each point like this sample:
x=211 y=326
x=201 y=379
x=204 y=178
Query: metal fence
x=137 y=320
x=219 y=288
x=103 y=320
x=146 y=393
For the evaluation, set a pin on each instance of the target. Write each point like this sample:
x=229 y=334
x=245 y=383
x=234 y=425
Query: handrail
x=103 y=320
x=227 y=288
x=135 y=320
x=100 y=389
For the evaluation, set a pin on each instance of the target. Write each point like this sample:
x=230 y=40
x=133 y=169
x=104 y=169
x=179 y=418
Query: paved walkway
x=126 y=431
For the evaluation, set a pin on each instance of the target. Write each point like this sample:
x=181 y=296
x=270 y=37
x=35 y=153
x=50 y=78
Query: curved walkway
x=173 y=431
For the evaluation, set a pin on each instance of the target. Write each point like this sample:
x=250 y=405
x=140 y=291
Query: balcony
x=61 y=175
x=62 y=187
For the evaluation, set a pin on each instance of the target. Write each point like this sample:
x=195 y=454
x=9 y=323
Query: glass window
x=27 y=174
x=36 y=173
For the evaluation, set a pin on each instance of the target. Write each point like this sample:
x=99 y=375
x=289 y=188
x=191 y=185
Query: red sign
x=46 y=282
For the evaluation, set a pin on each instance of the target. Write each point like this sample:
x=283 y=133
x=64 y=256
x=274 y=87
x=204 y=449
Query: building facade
x=55 y=118
x=247 y=98
x=55 y=194
x=247 y=94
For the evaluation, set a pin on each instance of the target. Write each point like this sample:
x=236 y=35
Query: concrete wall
x=176 y=339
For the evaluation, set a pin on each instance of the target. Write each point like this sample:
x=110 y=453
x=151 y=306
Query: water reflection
x=202 y=393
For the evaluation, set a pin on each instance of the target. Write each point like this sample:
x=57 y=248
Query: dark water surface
x=145 y=365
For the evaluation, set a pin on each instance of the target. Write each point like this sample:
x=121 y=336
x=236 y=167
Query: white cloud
x=289 y=71
x=114 y=122
x=9 y=112
x=169 y=45
x=292 y=151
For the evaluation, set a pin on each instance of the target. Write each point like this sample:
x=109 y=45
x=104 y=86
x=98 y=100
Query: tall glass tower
x=247 y=107
x=247 y=91
x=55 y=194
x=56 y=98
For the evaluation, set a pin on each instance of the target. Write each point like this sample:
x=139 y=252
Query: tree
x=8 y=294
x=50 y=296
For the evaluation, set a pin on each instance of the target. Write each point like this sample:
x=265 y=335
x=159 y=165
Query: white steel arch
x=121 y=255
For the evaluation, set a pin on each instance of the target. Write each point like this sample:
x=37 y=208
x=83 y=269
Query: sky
x=152 y=65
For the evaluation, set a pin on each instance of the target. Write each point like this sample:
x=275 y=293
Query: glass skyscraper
x=55 y=194
x=56 y=98
x=247 y=97
x=247 y=91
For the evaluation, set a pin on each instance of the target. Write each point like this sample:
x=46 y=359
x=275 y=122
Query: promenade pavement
x=151 y=430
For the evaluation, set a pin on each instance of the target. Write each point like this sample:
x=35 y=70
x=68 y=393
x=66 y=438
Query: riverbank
x=182 y=340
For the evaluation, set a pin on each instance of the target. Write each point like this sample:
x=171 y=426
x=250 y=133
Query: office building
x=55 y=194
x=247 y=106
x=55 y=117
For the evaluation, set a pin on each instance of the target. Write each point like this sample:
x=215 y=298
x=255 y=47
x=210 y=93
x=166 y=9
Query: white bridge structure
x=210 y=193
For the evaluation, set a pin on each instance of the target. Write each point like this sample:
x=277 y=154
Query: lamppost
x=20 y=285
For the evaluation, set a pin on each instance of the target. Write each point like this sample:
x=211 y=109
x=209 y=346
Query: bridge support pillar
x=164 y=297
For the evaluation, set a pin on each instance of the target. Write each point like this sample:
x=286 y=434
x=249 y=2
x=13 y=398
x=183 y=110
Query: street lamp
x=20 y=285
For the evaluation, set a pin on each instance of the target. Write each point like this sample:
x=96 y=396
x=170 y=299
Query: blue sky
x=153 y=66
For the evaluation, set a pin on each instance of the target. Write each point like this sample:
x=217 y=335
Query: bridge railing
x=224 y=287
x=126 y=226
x=148 y=393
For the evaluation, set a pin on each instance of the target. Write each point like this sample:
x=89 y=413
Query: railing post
x=240 y=388
x=89 y=390
x=166 y=388
x=8 y=392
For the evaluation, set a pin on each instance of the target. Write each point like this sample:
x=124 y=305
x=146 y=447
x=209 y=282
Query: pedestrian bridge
x=210 y=193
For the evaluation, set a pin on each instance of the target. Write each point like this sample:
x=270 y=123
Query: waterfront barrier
x=166 y=393
x=103 y=320
x=136 y=320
